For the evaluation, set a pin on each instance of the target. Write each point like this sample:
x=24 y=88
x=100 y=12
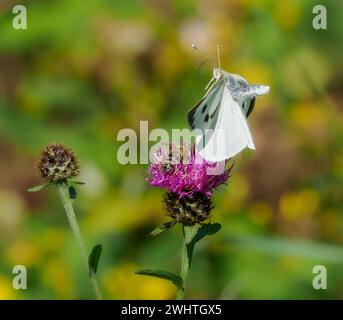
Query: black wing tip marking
x=251 y=106
x=190 y=117
x=191 y=113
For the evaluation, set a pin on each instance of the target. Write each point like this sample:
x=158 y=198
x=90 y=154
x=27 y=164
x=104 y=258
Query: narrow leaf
x=206 y=230
x=174 y=278
x=72 y=192
x=161 y=228
x=77 y=182
x=38 y=188
x=93 y=260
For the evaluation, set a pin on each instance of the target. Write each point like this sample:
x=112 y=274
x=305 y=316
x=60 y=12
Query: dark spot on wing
x=206 y=118
x=215 y=111
x=204 y=108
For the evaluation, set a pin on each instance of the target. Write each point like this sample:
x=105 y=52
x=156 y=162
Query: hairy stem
x=68 y=206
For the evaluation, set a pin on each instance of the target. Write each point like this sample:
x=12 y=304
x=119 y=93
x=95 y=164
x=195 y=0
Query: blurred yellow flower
x=123 y=283
x=247 y=4
x=171 y=59
x=51 y=240
x=299 y=204
x=309 y=116
x=6 y=290
x=254 y=71
x=117 y=214
x=261 y=212
x=235 y=194
x=56 y=276
x=287 y=13
x=23 y=252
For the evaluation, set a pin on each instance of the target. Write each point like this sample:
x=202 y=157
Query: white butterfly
x=221 y=116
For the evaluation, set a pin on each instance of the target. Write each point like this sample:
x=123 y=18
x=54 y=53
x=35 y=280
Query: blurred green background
x=85 y=69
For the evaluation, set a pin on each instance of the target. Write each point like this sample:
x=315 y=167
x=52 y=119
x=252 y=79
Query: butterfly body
x=221 y=116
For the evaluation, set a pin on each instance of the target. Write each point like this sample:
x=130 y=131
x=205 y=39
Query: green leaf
x=77 y=182
x=93 y=260
x=162 y=227
x=194 y=234
x=38 y=188
x=206 y=230
x=174 y=278
x=72 y=192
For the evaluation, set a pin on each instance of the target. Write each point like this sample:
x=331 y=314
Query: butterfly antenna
x=218 y=55
x=201 y=64
x=205 y=57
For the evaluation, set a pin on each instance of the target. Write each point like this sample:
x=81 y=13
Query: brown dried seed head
x=57 y=163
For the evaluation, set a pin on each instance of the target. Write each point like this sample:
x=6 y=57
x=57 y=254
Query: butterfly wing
x=248 y=105
x=205 y=114
x=230 y=135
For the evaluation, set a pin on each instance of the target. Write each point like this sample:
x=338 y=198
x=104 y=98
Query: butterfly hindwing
x=248 y=105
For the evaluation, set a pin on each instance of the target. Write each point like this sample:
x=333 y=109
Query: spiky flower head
x=188 y=210
x=184 y=172
x=57 y=163
x=189 y=183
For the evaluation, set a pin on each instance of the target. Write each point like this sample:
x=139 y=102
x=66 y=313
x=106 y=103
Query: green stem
x=94 y=281
x=185 y=264
x=68 y=206
x=187 y=252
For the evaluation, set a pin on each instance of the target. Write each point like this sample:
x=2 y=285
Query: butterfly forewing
x=231 y=134
x=205 y=114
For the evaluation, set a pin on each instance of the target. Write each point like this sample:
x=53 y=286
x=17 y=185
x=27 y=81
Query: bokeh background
x=85 y=69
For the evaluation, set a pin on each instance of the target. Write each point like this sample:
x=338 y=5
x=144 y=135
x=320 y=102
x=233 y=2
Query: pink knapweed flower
x=183 y=171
